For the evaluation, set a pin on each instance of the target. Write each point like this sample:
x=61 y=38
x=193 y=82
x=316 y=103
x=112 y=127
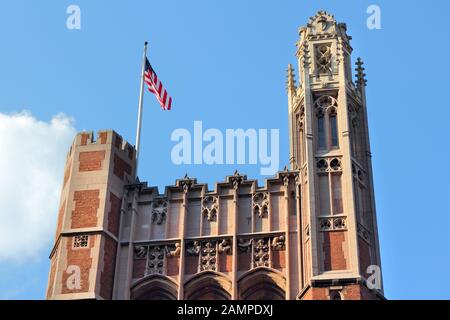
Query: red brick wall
x=138 y=268
x=334 y=257
x=191 y=264
x=120 y=167
x=225 y=262
x=173 y=264
x=349 y=292
x=109 y=263
x=114 y=214
x=80 y=257
x=84 y=138
x=244 y=261
x=278 y=259
x=103 y=136
x=86 y=204
x=91 y=160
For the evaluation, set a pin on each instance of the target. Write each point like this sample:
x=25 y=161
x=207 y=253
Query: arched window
x=321 y=130
x=332 y=118
x=327 y=124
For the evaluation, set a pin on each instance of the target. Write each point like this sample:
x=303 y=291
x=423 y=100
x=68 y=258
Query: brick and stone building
x=310 y=232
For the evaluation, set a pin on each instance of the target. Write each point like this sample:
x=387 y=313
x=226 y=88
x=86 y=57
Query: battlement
x=87 y=138
x=231 y=181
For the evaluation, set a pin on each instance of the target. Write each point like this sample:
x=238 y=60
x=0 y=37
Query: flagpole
x=141 y=98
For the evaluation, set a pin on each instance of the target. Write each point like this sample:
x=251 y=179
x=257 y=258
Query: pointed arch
x=154 y=287
x=208 y=285
x=262 y=284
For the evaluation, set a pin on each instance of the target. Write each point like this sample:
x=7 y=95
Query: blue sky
x=224 y=63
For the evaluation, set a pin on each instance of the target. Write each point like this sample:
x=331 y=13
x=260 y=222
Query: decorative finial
x=285 y=168
x=236 y=173
x=290 y=82
x=360 y=75
x=186 y=177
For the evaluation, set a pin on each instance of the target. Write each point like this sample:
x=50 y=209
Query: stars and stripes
x=155 y=86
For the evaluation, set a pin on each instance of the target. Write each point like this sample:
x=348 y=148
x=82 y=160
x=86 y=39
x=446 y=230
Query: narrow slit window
x=337 y=193
x=324 y=195
x=321 y=131
x=333 y=130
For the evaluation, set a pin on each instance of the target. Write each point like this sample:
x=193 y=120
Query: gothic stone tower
x=83 y=256
x=309 y=233
x=329 y=145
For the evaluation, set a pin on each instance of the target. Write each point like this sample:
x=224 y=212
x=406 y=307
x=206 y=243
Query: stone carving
x=325 y=104
x=236 y=179
x=261 y=204
x=140 y=252
x=290 y=82
x=193 y=248
x=245 y=244
x=155 y=262
x=323 y=59
x=225 y=246
x=303 y=53
x=208 y=258
x=210 y=208
x=159 y=211
x=186 y=183
x=173 y=250
x=261 y=253
x=332 y=223
x=360 y=75
x=286 y=180
x=328 y=164
x=297 y=179
x=278 y=243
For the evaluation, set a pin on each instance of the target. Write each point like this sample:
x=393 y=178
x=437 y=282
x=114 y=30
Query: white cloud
x=32 y=158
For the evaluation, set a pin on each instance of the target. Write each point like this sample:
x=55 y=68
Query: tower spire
x=290 y=82
x=360 y=75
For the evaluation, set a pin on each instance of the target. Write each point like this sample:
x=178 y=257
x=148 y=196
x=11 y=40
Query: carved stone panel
x=260 y=203
x=332 y=223
x=225 y=246
x=261 y=253
x=193 y=248
x=210 y=208
x=159 y=211
x=208 y=260
x=155 y=262
x=154 y=256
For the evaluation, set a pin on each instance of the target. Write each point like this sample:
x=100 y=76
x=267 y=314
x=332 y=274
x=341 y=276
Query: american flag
x=155 y=86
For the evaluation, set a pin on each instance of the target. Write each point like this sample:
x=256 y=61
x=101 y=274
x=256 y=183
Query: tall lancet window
x=327 y=124
x=332 y=116
x=321 y=130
